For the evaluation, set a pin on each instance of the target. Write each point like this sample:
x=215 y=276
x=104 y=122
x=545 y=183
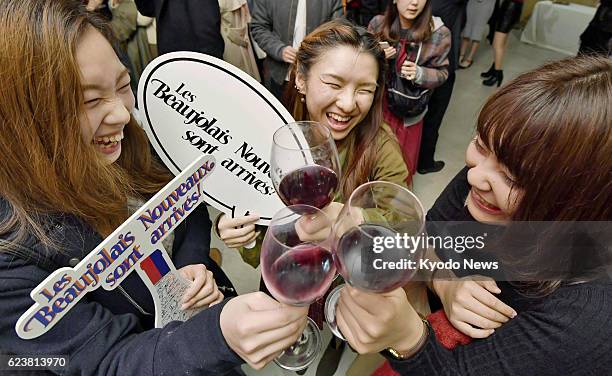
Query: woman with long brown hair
x=542 y=153
x=72 y=158
x=338 y=81
x=417 y=47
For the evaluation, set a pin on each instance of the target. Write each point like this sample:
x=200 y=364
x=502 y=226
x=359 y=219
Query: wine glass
x=376 y=211
x=297 y=267
x=305 y=167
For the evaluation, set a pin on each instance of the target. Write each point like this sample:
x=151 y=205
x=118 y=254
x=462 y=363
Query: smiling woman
x=338 y=81
x=73 y=160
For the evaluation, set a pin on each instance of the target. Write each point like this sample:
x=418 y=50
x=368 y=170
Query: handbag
x=404 y=97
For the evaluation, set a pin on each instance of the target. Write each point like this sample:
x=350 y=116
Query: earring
x=302 y=99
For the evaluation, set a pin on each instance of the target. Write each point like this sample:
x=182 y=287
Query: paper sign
x=193 y=104
x=135 y=245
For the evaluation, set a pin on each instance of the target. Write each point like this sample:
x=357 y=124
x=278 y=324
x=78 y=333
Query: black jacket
x=105 y=333
x=186 y=25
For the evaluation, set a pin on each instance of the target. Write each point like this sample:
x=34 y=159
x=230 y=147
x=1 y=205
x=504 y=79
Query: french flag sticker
x=155 y=266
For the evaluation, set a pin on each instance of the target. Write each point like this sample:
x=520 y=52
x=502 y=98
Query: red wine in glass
x=312 y=185
x=300 y=275
x=356 y=259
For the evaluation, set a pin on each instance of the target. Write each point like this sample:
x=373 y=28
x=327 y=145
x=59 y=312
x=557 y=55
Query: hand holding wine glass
x=377 y=240
x=372 y=322
x=297 y=267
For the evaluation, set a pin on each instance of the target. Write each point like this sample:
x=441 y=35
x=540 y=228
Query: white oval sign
x=193 y=104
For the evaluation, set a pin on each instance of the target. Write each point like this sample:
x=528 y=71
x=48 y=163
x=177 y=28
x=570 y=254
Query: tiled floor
x=456 y=132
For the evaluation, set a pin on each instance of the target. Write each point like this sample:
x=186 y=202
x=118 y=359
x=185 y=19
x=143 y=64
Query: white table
x=557 y=27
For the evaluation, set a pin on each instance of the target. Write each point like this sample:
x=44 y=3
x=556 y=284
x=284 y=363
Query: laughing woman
x=338 y=81
x=72 y=156
x=540 y=155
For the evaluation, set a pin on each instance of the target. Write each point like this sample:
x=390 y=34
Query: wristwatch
x=392 y=353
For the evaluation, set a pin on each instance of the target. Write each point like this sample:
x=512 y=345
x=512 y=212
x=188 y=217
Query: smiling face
x=491 y=198
x=409 y=10
x=340 y=88
x=108 y=98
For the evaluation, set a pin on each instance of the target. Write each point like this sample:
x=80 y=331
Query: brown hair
x=551 y=128
x=422 y=27
x=47 y=168
x=360 y=153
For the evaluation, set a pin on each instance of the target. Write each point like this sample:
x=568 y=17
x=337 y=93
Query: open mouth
x=109 y=142
x=338 y=122
x=484 y=204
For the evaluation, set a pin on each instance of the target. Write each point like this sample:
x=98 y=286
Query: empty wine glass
x=377 y=240
x=297 y=267
x=305 y=168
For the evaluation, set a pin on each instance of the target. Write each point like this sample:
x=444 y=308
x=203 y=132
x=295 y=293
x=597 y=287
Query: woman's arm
x=434 y=71
x=565 y=333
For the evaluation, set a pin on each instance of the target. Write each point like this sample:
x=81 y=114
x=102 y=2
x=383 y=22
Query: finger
x=243 y=240
x=236 y=244
x=263 y=321
x=218 y=300
x=489 y=284
x=470 y=331
x=476 y=320
x=196 y=285
x=347 y=330
x=351 y=312
x=276 y=341
x=267 y=354
x=227 y=222
x=232 y=233
x=206 y=295
x=368 y=303
x=493 y=302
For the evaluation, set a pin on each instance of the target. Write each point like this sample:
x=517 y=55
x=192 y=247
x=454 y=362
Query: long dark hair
x=422 y=27
x=551 y=128
x=361 y=152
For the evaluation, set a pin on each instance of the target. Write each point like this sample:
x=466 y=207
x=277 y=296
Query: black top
x=565 y=333
x=186 y=25
x=107 y=333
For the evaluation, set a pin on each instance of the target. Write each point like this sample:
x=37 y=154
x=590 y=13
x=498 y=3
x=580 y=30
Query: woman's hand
x=93 y=4
x=317 y=227
x=258 y=327
x=409 y=70
x=203 y=291
x=471 y=307
x=390 y=52
x=374 y=322
x=237 y=232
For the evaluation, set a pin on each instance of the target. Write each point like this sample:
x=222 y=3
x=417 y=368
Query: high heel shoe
x=488 y=73
x=496 y=78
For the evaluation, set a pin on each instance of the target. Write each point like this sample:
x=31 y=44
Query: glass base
x=304 y=351
x=330 y=311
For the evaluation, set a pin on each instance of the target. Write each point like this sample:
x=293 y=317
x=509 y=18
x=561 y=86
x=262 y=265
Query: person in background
x=235 y=20
x=507 y=16
x=452 y=13
x=419 y=48
x=72 y=161
x=279 y=26
x=596 y=36
x=186 y=25
x=477 y=14
x=561 y=325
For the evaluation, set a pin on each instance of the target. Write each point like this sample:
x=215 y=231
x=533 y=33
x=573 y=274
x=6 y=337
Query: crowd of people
x=74 y=162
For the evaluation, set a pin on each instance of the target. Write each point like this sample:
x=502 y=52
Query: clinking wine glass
x=297 y=267
x=376 y=211
x=305 y=164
